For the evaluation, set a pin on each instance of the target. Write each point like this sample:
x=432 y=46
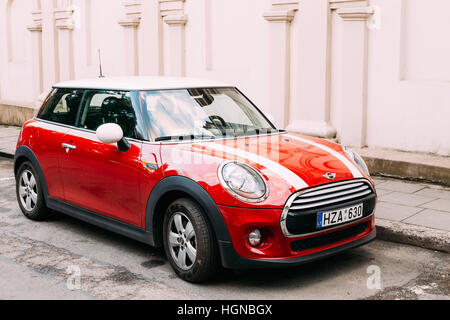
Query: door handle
x=69 y=146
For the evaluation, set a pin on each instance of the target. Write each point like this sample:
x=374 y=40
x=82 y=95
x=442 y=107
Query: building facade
x=367 y=72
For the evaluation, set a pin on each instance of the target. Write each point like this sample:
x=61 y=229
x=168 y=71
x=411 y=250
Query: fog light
x=255 y=238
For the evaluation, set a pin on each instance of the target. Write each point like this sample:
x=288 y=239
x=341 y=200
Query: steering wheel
x=224 y=124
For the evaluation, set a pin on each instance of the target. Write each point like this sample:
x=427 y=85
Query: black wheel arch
x=23 y=154
x=171 y=188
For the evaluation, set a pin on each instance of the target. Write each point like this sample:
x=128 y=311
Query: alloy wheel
x=28 y=190
x=182 y=241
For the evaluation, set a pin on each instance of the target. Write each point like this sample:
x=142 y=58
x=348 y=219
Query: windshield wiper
x=257 y=132
x=227 y=135
x=185 y=137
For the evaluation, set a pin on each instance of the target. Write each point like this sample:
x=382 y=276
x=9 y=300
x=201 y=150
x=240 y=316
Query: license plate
x=336 y=217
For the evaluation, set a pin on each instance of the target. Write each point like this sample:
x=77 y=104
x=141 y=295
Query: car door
x=97 y=176
x=58 y=113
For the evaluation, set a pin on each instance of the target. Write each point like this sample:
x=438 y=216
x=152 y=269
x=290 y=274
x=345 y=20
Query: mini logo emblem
x=330 y=176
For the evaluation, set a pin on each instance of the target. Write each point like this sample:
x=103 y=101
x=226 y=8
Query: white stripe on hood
x=283 y=172
x=350 y=166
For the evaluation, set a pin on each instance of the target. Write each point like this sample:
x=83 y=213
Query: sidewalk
x=8 y=140
x=407 y=212
x=413 y=213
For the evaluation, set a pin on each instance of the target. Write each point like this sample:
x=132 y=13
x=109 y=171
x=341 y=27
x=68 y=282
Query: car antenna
x=100 y=63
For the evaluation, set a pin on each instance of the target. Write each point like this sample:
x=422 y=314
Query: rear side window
x=62 y=106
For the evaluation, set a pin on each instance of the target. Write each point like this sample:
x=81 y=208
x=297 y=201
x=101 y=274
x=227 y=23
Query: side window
x=103 y=107
x=62 y=106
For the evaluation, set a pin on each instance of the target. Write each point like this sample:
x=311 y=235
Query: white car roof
x=140 y=83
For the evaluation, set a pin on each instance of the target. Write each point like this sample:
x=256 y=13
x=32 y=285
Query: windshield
x=201 y=114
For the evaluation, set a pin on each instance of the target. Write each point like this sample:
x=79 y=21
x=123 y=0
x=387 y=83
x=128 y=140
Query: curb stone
x=414 y=235
x=6 y=155
x=410 y=166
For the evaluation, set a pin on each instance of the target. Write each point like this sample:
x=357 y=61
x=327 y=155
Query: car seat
x=120 y=111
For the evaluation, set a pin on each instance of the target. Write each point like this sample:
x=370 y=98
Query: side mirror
x=112 y=133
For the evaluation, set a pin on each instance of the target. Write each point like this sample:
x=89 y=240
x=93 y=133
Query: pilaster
x=355 y=15
x=172 y=13
x=130 y=23
x=64 y=24
x=36 y=46
x=280 y=16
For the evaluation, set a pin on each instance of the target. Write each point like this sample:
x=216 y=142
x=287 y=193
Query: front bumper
x=278 y=250
x=232 y=260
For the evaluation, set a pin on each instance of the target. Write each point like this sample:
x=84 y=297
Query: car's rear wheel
x=189 y=241
x=29 y=193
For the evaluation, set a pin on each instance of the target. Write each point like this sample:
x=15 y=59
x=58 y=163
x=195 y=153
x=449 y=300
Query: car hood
x=289 y=162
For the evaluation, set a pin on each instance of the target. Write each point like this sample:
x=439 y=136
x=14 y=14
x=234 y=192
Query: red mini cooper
x=195 y=167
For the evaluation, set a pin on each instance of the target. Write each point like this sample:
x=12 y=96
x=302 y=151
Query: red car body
x=125 y=191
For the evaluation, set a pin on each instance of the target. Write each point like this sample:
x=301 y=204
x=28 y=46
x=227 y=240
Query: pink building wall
x=369 y=73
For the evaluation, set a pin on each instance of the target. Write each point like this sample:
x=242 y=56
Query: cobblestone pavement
x=44 y=260
x=413 y=203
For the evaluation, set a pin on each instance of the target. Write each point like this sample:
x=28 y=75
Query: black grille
x=331 y=194
x=301 y=217
x=329 y=238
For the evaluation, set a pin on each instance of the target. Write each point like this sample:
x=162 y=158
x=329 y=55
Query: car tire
x=185 y=228
x=30 y=194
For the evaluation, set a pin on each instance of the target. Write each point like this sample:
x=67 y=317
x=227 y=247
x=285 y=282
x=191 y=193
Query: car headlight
x=356 y=158
x=243 y=182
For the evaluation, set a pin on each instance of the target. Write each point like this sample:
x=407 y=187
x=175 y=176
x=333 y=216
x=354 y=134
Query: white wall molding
x=172 y=12
x=36 y=24
x=355 y=13
x=285 y=4
x=339 y=4
x=176 y=19
x=280 y=15
x=133 y=14
x=171 y=7
x=64 y=18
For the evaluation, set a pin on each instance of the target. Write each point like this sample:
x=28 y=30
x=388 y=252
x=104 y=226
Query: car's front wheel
x=189 y=241
x=29 y=193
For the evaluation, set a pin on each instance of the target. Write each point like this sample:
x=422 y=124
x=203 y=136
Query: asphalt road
x=45 y=260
